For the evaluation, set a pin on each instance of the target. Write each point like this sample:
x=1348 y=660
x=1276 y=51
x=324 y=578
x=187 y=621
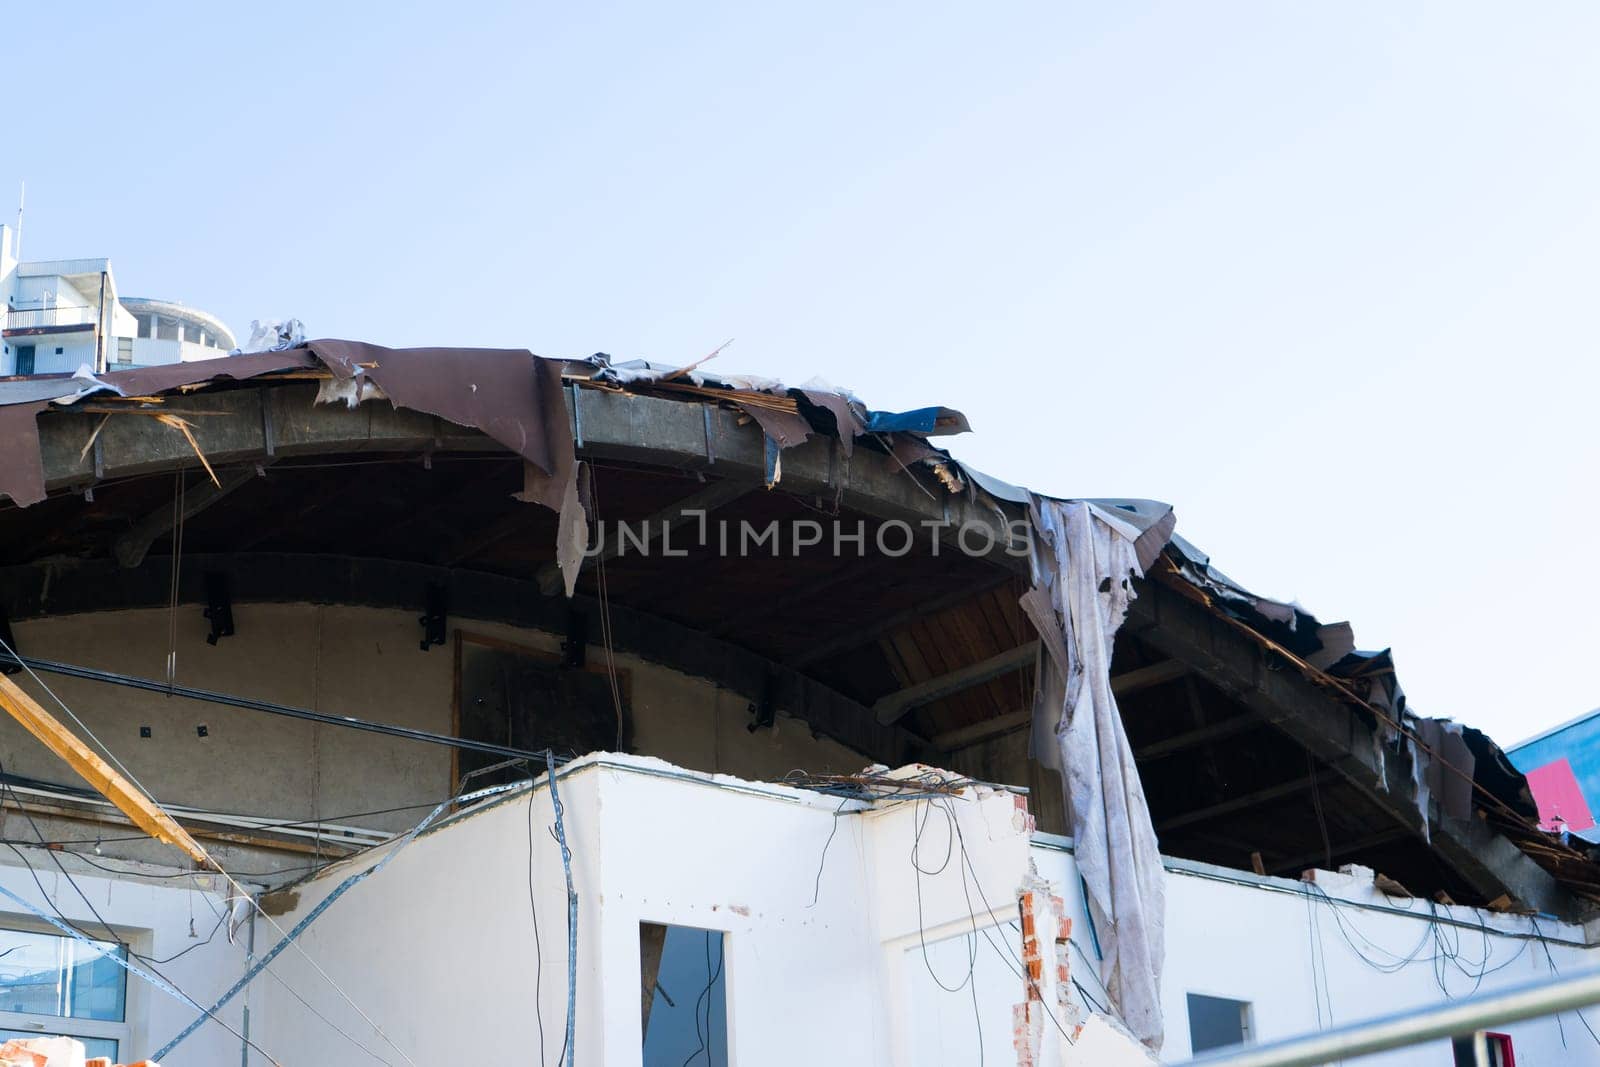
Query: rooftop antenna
x=16 y=242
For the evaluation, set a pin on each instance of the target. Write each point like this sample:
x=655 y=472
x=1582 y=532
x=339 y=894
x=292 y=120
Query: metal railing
x=1457 y=1018
x=33 y=318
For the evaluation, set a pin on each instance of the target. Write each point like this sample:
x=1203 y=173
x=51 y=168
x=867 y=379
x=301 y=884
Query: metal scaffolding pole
x=1455 y=1018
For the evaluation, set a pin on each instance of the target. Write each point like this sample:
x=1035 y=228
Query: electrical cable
x=240 y=889
x=1027 y=980
x=605 y=616
x=816 y=884
x=1316 y=805
x=533 y=909
x=704 y=1035
x=98 y=864
x=1554 y=970
x=113 y=937
x=222 y=916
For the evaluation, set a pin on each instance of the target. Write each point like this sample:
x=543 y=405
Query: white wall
x=438 y=947
x=75 y=352
x=39 y=290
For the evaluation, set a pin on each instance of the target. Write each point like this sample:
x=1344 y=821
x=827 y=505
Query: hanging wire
x=233 y=882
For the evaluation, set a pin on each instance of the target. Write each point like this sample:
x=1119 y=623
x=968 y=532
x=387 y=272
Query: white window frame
x=122 y=1032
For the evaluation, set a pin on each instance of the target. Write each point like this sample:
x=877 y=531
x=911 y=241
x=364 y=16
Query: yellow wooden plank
x=129 y=798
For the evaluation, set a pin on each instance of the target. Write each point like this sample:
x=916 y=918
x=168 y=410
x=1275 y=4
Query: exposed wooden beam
x=974 y=733
x=131 y=547
x=129 y=798
x=848 y=573
x=1168 y=670
x=865 y=635
x=1189 y=738
x=491 y=534
x=672 y=517
x=1236 y=804
x=1127 y=682
x=895 y=706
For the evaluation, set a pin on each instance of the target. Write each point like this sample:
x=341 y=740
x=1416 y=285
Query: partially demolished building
x=637 y=714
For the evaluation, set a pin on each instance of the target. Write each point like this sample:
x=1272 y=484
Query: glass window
x=1217 y=1022
x=45 y=974
x=684 y=997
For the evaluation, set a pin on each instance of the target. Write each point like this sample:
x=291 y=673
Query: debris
x=53 y=1052
x=272 y=335
x=1391 y=888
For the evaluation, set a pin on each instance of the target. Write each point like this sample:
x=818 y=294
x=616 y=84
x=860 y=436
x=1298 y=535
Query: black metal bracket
x=765 y=712
x=7 y=664
x=433 y=623
x=219 y=606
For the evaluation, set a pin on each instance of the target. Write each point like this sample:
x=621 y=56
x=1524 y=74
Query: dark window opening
x=1217 y=1022
x=1484 y=1049
x=684 y=1001
x=528 y=700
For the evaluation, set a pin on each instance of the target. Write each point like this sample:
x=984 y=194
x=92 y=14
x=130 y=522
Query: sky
x=1323 y=277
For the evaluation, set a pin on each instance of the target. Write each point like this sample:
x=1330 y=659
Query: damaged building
x=584 y=711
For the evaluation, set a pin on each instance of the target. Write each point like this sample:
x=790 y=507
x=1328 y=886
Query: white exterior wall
x=805 y=982
x=438 y=947
x=150 y=351
x=45 y=290
x=77 y=350
x=1232 y=934
x=29 y=292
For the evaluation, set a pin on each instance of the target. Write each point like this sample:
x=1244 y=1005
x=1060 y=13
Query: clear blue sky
x=1323 y=277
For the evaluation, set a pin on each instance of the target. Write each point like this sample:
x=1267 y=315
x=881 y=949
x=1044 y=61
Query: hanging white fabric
x=1084 y=561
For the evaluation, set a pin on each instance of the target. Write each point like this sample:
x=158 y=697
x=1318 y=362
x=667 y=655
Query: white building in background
x=66 y=313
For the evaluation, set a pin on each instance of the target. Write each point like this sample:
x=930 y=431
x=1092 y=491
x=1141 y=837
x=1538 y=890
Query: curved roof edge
x=143 y=305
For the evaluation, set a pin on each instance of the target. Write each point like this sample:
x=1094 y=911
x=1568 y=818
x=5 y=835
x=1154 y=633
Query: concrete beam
x=1337 y=734
x=261 y=420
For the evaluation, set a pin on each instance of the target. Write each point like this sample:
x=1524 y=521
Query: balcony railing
x=34 y=318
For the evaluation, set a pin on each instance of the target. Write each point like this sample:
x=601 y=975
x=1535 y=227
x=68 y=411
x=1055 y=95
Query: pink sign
x=1560 y=800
